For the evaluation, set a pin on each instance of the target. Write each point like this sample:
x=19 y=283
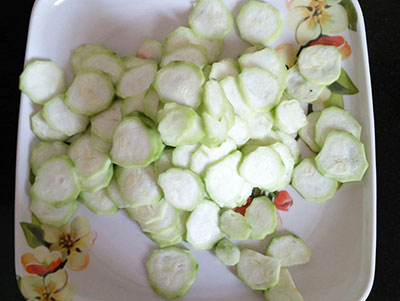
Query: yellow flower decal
x=41 y=261
x=53 y=287
x=73 y=241
x=312 y=18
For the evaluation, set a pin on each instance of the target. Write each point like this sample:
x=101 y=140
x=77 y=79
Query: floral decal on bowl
x=55 y=249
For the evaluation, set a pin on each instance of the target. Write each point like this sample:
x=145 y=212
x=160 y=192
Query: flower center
x=317 y=12
x=67 y=241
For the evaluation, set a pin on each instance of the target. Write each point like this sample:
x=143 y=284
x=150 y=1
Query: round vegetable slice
x=163 y=163
x=289 y=116
x=334 y=118
x=114 y=193
x=342 y=157
x=202 y=226
x=289 y=250
x=262 y=217
x=42 y=80
x=182 y=188
x=301 y=89
x=288 y=161
x=97 y=182
x=262 y=167
x=258 y=271
x=240 y=131
x=60 y=118
x=180 y=37
x=211 y=19
x=56 y=182
x=224 y=68
x=233 y=93
x=138 y=186
x=182 y=155
x=261 y=88
x=234 y=225
x=189 y=53
x=91 y=92
x=104 y=123
x=148 y=214
x=227 y=252
x=151 y=103
x=99 y=202
x=320 y=64
x=43 y=131
x=213 y=48
x=44 y=151
x=171 y=271
x=311 y=184
x=259 y=23
x=99 y=144
x=180 y=82
x=50 y=215
x=223 y=182
x=169 y=220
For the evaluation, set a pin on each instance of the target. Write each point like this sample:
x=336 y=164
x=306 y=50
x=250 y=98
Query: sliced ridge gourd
x=234 y=225
x=182 y=188
x=307 y=132
x=135 y=143
x=224 y=184
x=202 y=226
x=99 y=144
x=190 y=53
x=311 y=184
x=136 y=80
x=262 y=166
x=88 y=161
x=44 y=151
x=262 y=89
x=216 y=131
x=334 y=118
x=258 y=271
x=284 y=290
x=42 y=80
x=43 y=131
x=132 y=104
x=91 y=92
x=60 y=118
x=216 y=103
x=104 y=123
x=74 y=137
x=251 y=49
x=133 y=61
x=150 y=49
x=169 y=221
x=179 y=125
x=171 y=271
x=151 y=104
x=288 y=161
x=206 y=71
x=106 y=61
x=320 y=64
x=182 y=155
x=79 y=53
x=227 y=252
x=56 y=182
x=342 y=157
x=214 y=48
x=147 y=214
x=259 y=23
x=290 y=116
x=289 y=250
x=179 y=38
x=138 y=186
x=99 y=202
x=267 y=59
x=53 y=216
x=164 y=162
x=231 y=88
x=224 y=68
x=97 y=182
x=171 y=236
x=205 y=156
x=301 y=89
x=211 y=19
x=240 y=131
x=180 y=82
x=114 y=193
x=262 y=217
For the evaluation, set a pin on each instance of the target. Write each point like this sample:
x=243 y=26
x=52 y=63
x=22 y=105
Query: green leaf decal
x=351 y=14
x=33 y=234
x=35 y=220
x=344 y=85
x=335 y=100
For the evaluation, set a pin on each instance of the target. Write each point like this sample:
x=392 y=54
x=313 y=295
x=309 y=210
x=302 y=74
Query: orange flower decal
x=41 y=261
